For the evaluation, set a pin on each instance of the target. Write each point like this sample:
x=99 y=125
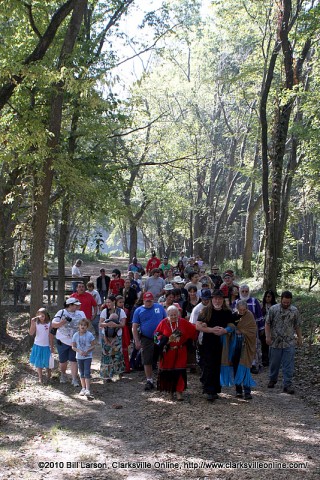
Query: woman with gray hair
x=243 y=349
x=171 y=336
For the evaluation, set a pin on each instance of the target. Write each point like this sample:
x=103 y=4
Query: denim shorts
x=65 y=352
x=84 y=365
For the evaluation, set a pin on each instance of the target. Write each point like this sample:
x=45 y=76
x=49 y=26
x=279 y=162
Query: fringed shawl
x=247 y=327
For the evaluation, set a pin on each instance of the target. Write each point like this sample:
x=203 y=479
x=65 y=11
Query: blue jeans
x=284 y=357
x=84 y=366
x=103 y=295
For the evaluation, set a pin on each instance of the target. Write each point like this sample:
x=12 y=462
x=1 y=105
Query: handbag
x=51 y=361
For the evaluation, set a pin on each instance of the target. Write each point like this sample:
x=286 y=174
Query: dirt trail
x=50 y=432
x=123 y=425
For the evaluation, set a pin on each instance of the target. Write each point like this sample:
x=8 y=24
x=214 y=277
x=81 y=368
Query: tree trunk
x=42 y=199
x=276 y=205
x=133 y=240
x=64 y=232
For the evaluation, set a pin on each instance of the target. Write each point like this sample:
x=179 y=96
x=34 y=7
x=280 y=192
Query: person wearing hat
x=167 y=289
x=144 y=323
x=215 y=277
x=205 y=297
x=168 y=299
x=153 y=263
x=66 y=321
x=213 y=321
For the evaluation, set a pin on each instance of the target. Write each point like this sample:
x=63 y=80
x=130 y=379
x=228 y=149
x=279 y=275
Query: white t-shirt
x=83 y=342
x=97 y=298
x=75 y=272
x=195 y=313
x=42 y=334
x=103 y=317
x=66 y=332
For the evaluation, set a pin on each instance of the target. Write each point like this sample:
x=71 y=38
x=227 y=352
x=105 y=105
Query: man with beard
x=282 y=322
x=254 y=307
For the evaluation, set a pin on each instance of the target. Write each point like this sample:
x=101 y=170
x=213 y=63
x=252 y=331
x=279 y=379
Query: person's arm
x=203 y=327
x=94 y=312
x=92 y=345
x=136 y=337
x=58 y=322
x=299 y=335
x=267 y=330
x=51 y=341
x=32 y=329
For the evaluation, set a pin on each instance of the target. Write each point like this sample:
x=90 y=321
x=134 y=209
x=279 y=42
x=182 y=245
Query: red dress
x=172 y=374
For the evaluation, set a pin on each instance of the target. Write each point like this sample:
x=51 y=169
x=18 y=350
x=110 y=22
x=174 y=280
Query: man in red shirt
x=153 y=262
x=88 y=303
x=117 y=283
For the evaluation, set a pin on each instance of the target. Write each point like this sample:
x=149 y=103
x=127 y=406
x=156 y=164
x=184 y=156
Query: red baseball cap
x=148 y=296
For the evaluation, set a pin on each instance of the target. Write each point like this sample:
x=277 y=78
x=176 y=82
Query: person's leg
x=63 y=360
x=288 y=366
x=48 y=370
x=74 y=369
x=148 y=371
x=81 y=372
x=39 y=370
x=235 y=364
x=87 y=374
x=147 y=350
x=275 y=357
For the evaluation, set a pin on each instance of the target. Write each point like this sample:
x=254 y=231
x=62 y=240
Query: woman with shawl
x=241 y=350
x=171 y=335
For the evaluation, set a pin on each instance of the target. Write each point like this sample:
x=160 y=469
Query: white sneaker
x=83 y=392
x=87 y=393
x=63 y=378
x=75 y=382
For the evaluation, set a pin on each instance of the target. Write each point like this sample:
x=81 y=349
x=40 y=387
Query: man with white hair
x=254 y=306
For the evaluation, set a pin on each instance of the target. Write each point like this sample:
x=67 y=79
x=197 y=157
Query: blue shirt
x=149 y=318
x=83 y=342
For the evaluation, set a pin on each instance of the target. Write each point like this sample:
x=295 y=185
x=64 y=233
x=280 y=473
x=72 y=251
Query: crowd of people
x=168 y=320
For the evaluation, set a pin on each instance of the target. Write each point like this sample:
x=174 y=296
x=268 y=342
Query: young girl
x=83 y=344
x=43 y=343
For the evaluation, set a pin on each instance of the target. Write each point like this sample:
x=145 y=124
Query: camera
x=69 y=319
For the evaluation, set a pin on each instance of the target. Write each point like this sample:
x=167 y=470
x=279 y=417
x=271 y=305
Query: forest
x=211 y=146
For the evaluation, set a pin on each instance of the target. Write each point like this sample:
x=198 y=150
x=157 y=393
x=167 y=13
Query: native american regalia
x=239 y=348
x=171 y=338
